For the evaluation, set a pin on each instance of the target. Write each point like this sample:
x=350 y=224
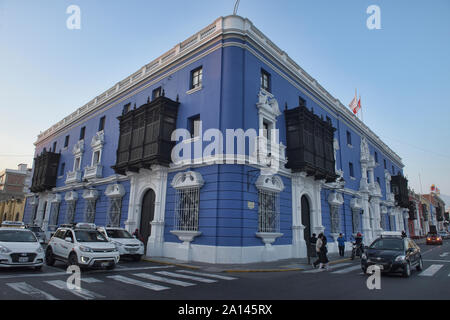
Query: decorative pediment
x=98 y=140
x=356 y=204
x=78 y=148
x=90 y=194
x=189 y=179
x=55 y=198
x=115 y=191
x=335 y=199
x=71 y=196
x=268 y=105
x=272 y=183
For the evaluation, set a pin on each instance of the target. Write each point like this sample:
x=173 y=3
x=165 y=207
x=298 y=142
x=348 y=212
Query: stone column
x=155 y=242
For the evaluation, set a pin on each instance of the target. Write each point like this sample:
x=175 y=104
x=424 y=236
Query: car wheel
x=407 y=271
x=73 y=260
x=420 y=265
x=49 y=257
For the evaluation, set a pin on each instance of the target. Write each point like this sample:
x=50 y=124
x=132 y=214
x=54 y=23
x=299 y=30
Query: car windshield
x=388 y=244
x=118 y=234
x=89 y=236
x=17 y=236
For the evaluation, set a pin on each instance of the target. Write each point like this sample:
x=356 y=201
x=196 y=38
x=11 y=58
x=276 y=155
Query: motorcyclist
x=359 y=242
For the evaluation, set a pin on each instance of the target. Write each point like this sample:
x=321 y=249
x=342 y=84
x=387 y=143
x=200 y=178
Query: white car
x=20 y=248
x=128 y=246
x=82 y=245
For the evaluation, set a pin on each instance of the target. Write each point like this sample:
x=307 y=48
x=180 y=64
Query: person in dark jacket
x=312 y=245
x=341 y=244
x=323 y=252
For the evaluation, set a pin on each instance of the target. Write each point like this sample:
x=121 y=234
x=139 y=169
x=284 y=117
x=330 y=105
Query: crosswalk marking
x=207 y=275
x=166 y=280
x=146 y=285
x=27 y=289
x=82 y=293
x=431 y=270
x=185 y=276
x=345 y=270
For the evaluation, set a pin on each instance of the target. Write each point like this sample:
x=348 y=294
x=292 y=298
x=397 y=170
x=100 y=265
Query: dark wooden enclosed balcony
x=145 y=136
x=310 y=144
x=412 y=211
x=400 y=189
x=45 y=171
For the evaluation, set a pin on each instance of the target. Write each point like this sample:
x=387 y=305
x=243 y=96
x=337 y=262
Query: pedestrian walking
x=323 y=253
x=317 y=248
x=312 y=245
x=138 y=235
x=341 y=244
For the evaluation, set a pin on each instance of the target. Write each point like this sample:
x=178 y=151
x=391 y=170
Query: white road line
x=207 y=275
x=82 y=293
x=431 y=270
x=166 y=280
x=33 y=275
x=90 y=280
x=345 y=270
x=331 y=268
x=437 y=260
x=185 y=276
x=146 y=285
x=27 y=289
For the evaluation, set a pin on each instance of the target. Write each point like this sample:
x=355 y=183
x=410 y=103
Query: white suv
x=81 y=245
x=127 y=245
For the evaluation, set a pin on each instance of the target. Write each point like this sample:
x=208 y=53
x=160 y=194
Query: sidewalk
x=297 y=264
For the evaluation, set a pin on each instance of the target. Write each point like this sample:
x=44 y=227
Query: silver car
x=38 y=233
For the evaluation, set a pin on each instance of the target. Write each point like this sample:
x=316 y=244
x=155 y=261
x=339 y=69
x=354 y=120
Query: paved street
x=155 y=281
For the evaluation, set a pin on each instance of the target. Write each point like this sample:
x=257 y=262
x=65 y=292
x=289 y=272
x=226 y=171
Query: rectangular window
x=54 y=146
x=385 y=166
x=376 y=157
x=265 y=80
x=66 y=142
x=77 y=164
x=196 y=78
x=63 y=167
x=349 y=138
x=268 y=211
x=393 y=171
x=378 y=180
x=101 y=123
x=156 y=93
x=350 y=167
x=126 y=108
x=186 y=209
x=195 y=126
x=82 y=132
x=96 y=158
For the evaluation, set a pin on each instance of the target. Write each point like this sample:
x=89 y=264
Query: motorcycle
x=357 y=250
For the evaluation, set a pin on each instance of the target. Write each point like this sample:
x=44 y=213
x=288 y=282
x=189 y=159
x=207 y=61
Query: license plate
x=105 y=264
x=23 y=259
x=132 y=249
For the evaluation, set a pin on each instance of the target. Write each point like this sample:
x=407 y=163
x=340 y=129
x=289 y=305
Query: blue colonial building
x=222 y=150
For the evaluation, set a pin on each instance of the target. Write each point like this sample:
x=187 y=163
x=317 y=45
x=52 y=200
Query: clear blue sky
x=401 y=71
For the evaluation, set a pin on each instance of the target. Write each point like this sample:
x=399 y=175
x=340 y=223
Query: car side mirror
x=68 y=239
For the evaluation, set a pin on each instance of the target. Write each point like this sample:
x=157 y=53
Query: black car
x=393 y=254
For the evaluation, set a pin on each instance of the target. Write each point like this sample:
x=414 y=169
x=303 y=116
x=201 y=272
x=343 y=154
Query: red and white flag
x=354 y=104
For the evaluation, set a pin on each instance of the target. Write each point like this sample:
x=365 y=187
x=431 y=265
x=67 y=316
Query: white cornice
x=223 y=26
